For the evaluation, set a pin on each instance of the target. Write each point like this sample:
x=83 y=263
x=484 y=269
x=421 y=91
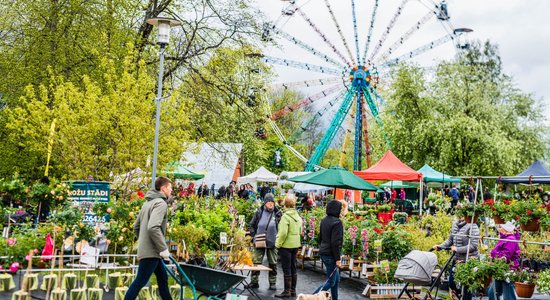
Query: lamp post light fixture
x=164 y=25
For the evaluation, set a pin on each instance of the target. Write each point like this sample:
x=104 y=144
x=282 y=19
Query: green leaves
x=468 y=119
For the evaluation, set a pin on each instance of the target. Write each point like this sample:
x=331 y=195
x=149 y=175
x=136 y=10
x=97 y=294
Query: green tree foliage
x=470 y=119
x=102 y=127
x=71 y=57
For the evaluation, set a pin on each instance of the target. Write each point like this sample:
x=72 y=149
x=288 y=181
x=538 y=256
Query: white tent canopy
x=133 y=178
x=260 y=175
x=218 y=161
x=302 y=187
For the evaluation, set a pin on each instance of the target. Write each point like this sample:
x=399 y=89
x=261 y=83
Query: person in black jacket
x=331 y=237
x=265 y=221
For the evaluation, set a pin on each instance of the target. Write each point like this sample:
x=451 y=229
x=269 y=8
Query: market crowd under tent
x=535 y=173
x=260 y=175
x=389 y=167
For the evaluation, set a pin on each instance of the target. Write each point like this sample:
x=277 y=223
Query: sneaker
x=273 y=286
x=253 y=285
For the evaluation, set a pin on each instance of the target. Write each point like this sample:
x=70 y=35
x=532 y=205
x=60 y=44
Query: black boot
x=286 y=291
x=293 y=285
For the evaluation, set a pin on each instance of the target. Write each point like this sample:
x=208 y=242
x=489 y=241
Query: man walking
x=454 y=194
x=150 y=228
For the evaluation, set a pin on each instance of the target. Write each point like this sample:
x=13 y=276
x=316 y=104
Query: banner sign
x=88 y=193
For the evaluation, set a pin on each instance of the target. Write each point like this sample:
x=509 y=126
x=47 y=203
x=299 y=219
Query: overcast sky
x=521 y=29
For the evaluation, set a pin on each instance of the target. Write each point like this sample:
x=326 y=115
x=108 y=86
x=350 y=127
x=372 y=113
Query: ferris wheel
x=338 y=53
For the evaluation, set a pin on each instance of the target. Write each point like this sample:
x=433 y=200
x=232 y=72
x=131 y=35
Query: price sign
x=223 y=238
x=385 y=265
x=378 y=245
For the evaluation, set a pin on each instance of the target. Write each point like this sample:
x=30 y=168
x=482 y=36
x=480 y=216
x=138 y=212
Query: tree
x=470 y=119
x=101 y=129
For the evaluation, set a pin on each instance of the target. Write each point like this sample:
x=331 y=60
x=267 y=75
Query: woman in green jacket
x=288 y=242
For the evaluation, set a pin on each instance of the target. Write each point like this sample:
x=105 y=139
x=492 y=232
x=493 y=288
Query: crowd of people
x=276 y=230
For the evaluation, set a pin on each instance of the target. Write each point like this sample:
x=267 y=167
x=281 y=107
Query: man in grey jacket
x=150 y=228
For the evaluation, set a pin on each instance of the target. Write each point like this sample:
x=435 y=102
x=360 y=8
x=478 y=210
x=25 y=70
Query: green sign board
x=88 y=193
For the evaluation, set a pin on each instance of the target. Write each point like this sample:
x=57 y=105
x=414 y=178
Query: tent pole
x=421 y=196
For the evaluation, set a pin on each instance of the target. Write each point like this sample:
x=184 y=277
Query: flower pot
x=525 y=290
x=532 y=226
x=487 y=282
x=469 y=219
x=498 y=220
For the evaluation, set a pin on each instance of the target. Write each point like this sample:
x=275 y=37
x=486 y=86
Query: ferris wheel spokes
x=387 y=31
x=322 y=35
x=407 y=35
x=371 y=28
x=300 y=65
x=307 y=47
x=306 y=101
x=308 y=83
x=336 y=123
x=420 y=50
x=339 y=30
x=355 y=29
x=308 y=123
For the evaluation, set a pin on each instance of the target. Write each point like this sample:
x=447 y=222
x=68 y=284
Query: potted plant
x=543 y=282
x=468 y=211
x=287 y=186
x=525 y=282
x=528 y=212
x=475 y=274
x=400 y=217
x=499 y=210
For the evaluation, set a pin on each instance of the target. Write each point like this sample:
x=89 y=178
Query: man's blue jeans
x=503 y=288
x=332 y=282
x=148 y=266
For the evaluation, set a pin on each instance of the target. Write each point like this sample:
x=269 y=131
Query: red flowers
x=529 y=212
x=517 y=217
x=507 y=202
x=489 y=202
x=378 y=230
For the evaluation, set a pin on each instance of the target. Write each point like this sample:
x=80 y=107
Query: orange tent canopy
x=389 y=167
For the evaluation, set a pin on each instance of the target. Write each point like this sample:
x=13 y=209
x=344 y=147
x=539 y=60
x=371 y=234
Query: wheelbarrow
x=203 y=282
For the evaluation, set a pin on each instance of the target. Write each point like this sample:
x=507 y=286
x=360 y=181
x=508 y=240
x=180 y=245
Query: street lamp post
x=164 y=25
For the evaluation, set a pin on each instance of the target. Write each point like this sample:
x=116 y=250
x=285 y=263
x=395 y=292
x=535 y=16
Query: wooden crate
x=309 y=254
x=386 y=291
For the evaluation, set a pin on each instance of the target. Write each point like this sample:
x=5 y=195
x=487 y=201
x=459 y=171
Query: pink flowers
x=353 y=234
x=311 y=226
x=11 y=241
x=365 y=242
x=14 y=267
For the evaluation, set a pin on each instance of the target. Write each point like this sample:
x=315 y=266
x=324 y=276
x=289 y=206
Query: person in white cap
x=510 y=251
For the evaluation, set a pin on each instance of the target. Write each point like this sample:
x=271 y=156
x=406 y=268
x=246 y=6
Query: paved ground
x=308 y=281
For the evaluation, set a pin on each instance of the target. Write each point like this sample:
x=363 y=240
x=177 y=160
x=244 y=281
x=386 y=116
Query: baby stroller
x=417 y=268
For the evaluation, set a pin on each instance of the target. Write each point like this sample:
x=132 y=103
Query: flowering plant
x=543 y=282
x=524 y=276
x=469 y=210
x=473 y=273
x=365 y=243
x=526 y=210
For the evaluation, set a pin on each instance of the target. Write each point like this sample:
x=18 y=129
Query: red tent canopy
x=389 y=167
